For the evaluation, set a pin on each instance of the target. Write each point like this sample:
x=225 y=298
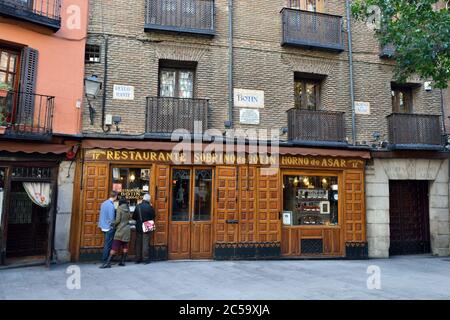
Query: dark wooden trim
x=52 y=218
x=410 y=154
x=75 y=222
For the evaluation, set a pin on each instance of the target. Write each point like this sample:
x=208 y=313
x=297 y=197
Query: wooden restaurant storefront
x=235 y=207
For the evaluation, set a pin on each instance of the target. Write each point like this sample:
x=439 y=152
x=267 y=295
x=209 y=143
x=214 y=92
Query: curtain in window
x=39 y=192
x=167 y=85
x=186 y=84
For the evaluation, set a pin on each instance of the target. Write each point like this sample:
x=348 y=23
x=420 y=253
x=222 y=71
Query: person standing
x=143 y=212
x=106 y=223
x=122 y=234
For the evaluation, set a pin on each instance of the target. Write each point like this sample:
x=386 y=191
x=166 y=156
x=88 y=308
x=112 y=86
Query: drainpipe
x=105 y=85
x=230 y=63
x=350 y=62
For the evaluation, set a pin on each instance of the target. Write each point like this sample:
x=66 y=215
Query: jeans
x=142 y=246
x=109 y=237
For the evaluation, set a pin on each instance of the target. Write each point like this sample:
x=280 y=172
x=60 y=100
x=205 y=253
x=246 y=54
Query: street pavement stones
x=407 y=277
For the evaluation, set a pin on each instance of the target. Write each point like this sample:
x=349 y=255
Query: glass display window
x=310 y=200
x=131 y=183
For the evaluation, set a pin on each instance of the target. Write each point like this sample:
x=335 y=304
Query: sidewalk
x=413 y=277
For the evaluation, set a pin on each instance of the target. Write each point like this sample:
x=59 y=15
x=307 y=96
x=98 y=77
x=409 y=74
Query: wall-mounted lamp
x=92 y=87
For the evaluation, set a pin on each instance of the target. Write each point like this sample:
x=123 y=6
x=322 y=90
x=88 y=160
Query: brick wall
x=260 y=63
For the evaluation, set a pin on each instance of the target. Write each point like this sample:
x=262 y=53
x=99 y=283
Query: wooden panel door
x=227 y=209
x=190 y=225
x=247 y=201
x=95 y=192
x=202 y=214
x=269 y=220
x=180 y=225
x=409 y=217
x=162 y=204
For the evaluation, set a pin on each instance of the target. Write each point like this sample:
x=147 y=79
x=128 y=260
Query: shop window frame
x=314 y=173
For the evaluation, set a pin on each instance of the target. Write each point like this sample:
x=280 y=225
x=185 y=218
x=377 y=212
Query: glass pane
x=12 y=63
x=311 y=97
x=310 y=200
x=186 y=84
x=3 y=60
x=2 y=76
x=180 y=194
x=2 y=190
x=131 y=183
x=298 y=94
x=203 y=195
x=167 y=84
x=311 y=5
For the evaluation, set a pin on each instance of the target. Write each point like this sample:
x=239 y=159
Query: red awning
x=169 y=145
x=43 y=148
x=324 y=152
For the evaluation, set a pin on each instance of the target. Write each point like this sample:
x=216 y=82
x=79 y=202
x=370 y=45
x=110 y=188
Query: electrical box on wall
x=108 y=120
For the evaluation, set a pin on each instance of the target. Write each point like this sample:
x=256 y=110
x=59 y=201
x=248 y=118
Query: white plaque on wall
x=249 y=116
x=248 y=98
x=287 y=218
x=123 y=92
x=362 y=107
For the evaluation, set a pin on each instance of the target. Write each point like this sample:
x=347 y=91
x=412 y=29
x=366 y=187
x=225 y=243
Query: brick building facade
x=137 y=52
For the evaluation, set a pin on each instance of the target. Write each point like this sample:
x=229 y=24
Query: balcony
x=316 y=127
x=186 y=16
x=45 y=13
x=387 y=51
x=414 y=131
x=312 y=30
x=26 y=116
x=164 y=115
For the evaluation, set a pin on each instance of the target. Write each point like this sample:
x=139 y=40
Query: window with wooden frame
x=307 y=94
x=402 y=99
x=9 y=67
x=176 y=80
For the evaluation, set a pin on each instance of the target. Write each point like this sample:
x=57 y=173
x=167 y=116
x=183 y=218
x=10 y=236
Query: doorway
x=191 y=213
x=409 y=217
x=27 y=225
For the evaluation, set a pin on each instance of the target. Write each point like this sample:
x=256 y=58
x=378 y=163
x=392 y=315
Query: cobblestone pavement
x=412 y=277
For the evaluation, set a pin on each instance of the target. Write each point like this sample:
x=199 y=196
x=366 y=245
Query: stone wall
x=378 y=175
x=64 y=210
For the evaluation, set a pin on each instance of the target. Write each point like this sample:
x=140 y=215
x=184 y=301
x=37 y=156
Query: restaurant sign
x=212 y=158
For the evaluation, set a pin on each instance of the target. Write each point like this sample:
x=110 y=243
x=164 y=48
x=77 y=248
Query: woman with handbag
x=122 y=235
x=144 y=214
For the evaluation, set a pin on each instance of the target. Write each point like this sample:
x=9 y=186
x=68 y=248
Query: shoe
x=138 y=261
x=147 y=261
x=124 y=258
x=107 y=264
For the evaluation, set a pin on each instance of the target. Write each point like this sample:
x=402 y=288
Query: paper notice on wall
x=249 y=116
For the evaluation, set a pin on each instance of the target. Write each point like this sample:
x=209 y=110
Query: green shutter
x=28 y=77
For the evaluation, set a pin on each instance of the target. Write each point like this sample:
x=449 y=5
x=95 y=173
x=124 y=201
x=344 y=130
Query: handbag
x=148 y=225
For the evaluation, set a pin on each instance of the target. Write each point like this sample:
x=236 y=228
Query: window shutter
x=28 y=77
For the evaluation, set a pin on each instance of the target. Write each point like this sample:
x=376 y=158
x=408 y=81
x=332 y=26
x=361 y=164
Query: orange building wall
x=61 y=60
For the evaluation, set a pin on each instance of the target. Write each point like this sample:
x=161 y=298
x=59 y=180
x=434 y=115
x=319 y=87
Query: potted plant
x=4 y=88
x=5 y=118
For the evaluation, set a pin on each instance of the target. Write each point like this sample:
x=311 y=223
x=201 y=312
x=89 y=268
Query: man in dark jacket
x=143 y=212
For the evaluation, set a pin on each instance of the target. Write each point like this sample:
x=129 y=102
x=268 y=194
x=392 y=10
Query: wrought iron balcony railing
x=26 y=115
x=164 y=115
x=316 y=126
x=188 y=16
x=414 y=131
x=42 y=12
x=312 y=29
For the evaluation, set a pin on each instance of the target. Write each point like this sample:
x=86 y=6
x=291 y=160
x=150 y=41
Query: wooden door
x=190 y=225
x=201 y=220
x=269 y=220
x=409 y=217
x=226 y=227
